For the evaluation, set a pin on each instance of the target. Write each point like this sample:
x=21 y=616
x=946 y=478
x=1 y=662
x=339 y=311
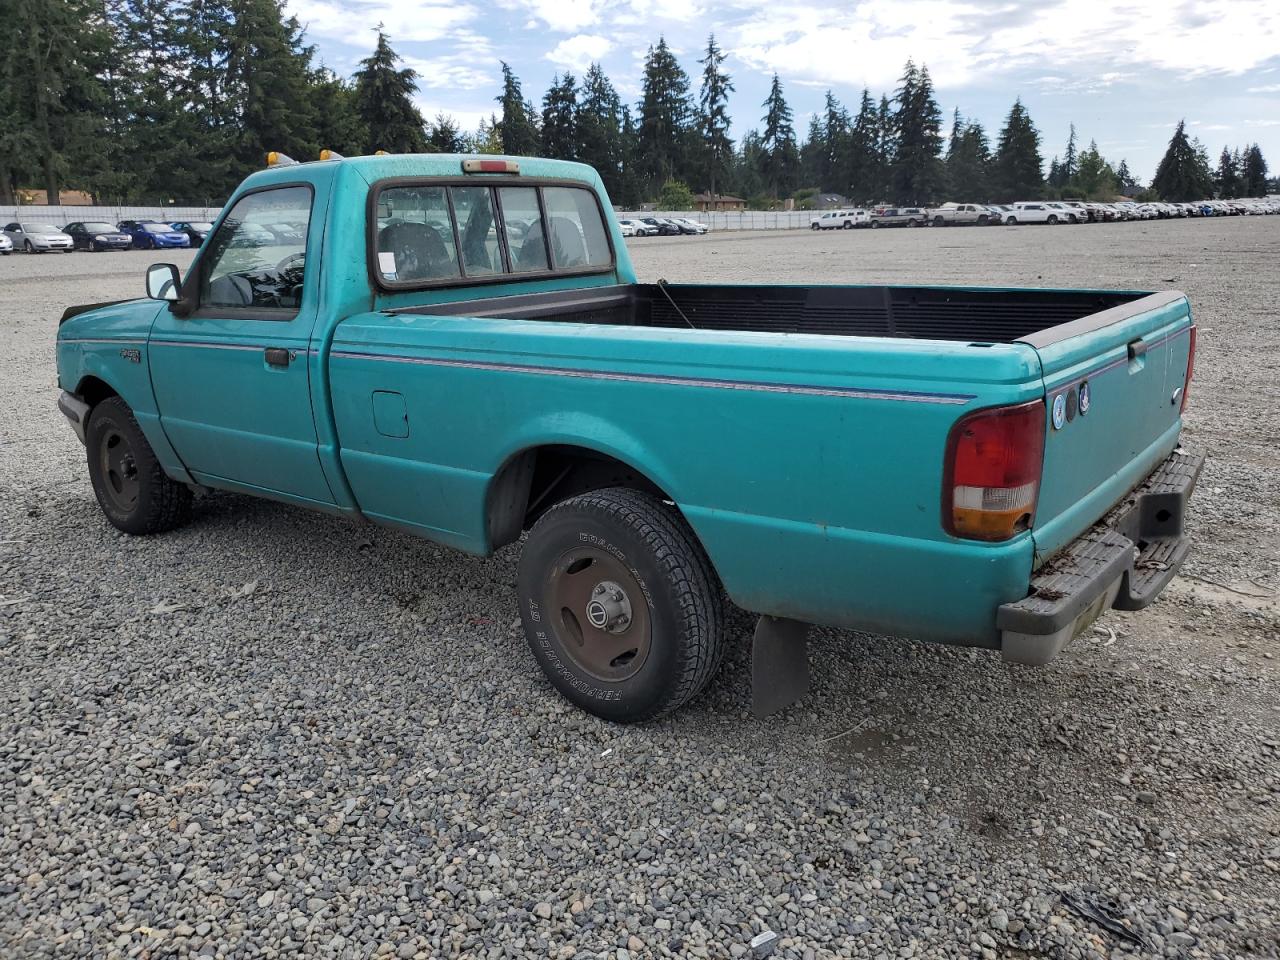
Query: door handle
x=277 y=356
x=1137 y=349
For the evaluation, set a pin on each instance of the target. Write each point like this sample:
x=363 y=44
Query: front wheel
x=1010 y=220
x=28 y=247
x=132 y=488
x=939 y=222
x=619 y=604
x=912 y=223
x=1053 y=221
x=875 y=224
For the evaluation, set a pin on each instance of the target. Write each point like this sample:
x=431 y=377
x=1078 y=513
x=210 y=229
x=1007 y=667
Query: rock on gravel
x=356 y=757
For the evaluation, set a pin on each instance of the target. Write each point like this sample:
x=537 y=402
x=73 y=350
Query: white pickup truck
x=1038 y=212
x=959 y=213
x=839 y=220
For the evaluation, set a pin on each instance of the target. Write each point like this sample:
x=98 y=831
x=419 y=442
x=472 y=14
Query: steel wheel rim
x=607 y=637
x=119 y=470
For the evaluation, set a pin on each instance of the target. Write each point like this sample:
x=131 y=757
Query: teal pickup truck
x=458 y=347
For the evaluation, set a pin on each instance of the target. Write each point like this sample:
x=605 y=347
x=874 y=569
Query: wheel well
x=93 y=391
x=535 y=480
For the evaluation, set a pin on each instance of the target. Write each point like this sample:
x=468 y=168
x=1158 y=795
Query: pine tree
x=781 y=157
x=599 y=129
x=1055 y=178
x=1017 y=172
x=886 y=148
x=517 y=128
x=713 y=117
x=1070 y=159
x=1127 y=184
x=384 y=102
x=267 y=74
x=1094 y=179
x=860 y=169
x=488 y=136
x=446 y=136
x=833 y=173
x=338 y=125
x=1227 y=177
x=665 y=114
x=968 y=163
x=47 y=90
x=1183 y=173
x=1253 y=173
x=813 y=155
x=917 y=122
x=559 y=119
x=630 y=178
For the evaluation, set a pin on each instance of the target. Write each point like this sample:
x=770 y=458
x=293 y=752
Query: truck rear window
x=432 y=233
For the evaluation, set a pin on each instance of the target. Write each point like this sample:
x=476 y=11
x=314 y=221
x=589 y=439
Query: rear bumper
x=1123 y=561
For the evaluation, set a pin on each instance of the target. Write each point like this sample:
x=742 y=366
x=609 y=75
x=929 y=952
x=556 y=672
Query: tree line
x=180 y=99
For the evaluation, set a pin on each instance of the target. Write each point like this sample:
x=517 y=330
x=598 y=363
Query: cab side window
x=577 y=233
x=258 y=257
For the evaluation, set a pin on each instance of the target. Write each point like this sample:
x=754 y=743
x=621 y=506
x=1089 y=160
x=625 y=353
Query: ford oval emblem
x=1084 y=398
x=1059 y=411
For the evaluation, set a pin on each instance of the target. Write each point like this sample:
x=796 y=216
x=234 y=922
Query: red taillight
x=991 y=476
x=1191 y=368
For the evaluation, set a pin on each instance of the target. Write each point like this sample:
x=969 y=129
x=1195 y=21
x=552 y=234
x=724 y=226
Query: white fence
x=62 y=215
x=746 y=220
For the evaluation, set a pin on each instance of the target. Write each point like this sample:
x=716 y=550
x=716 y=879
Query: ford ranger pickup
x=459 y=347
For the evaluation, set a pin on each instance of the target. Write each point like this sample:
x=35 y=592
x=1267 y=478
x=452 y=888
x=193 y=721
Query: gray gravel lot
x=278 y=734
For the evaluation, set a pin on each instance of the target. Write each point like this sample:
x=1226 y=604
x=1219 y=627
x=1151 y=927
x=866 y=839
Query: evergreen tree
x=1183 y=173
x=860 y=167
x=1253 y=173
x=665 y=114
x=781 y=156
x=1094 y=179
x=517 y=128
x=559 y=119
x=1017 y=172
x=968 y=163
x=1227 y=177
x=1126 y=182
x=338 y=125
x=488 y=136
x=384 y=102
x=599 y=129
x=1055 y=178
x=446 y=136
x=267 y=82
x=713 y=117
x=886 y=147
x=833 y=171
x=1070 y=160
x=51 y=99
x=813 y=154
x=917 y=124
x=630 y=178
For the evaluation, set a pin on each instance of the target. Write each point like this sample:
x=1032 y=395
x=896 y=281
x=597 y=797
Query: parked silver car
x=37 y=237
x=6 y=245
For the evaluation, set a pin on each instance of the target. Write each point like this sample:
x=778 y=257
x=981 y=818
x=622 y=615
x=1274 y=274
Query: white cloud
x=355 y=21
x=866 y=43
x=1268 y=88
x=565 y=16
x=472 y=64
x=580 y=51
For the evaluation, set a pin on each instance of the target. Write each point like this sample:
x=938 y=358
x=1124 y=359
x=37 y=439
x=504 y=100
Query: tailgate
x=1113 y=395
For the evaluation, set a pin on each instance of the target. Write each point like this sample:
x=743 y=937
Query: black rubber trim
x=1141 y=542
x=80 y=308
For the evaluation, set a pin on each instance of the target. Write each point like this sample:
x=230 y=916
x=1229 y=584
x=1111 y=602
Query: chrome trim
x=111 y=340
x=787 y=388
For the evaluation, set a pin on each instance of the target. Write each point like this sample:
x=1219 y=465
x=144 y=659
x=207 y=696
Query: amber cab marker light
x=476 y=165
x=277 y=159
x=331 y=155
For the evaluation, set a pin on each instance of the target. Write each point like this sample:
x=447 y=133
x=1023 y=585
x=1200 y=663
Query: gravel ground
x=277 y=734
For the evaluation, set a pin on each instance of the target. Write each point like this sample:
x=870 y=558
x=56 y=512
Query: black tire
x=875 y=224
x=674 y=618
x=848 y=225
x=939 y=222
x=28 y=247
x=1053 y=220
x=912 y=222
x=983 y=220
x=1010 y=221
x=134 y=492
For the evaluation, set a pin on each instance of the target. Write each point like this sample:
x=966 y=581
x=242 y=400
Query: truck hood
x=122 y=319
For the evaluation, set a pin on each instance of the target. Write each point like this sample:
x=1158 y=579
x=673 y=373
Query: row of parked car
x=661 y=227
x=32 y=237
x=1036 y=211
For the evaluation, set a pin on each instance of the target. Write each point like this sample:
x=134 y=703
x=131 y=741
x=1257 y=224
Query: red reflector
x=991 y=475
x=490 y=166
x=1191 y=369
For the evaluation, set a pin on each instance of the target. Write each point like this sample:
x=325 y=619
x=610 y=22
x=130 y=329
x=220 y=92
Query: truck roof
x=384 y=166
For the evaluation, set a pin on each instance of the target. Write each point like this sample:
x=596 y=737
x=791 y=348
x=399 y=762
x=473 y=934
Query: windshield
x=39 y=228
x=157 y=228
x=99 y=228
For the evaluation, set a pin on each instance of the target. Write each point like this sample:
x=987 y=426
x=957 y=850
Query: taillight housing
x=1191 y=368
x=991 y=475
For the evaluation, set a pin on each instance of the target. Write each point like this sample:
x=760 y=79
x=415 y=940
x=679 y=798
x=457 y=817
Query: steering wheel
x=294 y=262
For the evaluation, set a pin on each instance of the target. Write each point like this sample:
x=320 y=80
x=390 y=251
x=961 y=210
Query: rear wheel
x=983 y=220
x=912 y=222
x=875 y=224
x=939 y=222
x=848 y=224
x=132 y=488
x=1053 y=219
x=620 y=606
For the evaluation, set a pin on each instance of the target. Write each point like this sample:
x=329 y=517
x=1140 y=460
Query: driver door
x=232 y=377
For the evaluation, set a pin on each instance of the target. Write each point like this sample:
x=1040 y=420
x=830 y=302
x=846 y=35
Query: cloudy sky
x=1124 y=71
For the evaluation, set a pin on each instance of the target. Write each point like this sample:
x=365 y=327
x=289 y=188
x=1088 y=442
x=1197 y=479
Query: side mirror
x=163 y=282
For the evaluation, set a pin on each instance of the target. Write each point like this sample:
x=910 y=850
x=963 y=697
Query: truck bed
x=927 y=313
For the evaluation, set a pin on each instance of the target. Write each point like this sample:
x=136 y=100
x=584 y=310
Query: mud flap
x=779 y=665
